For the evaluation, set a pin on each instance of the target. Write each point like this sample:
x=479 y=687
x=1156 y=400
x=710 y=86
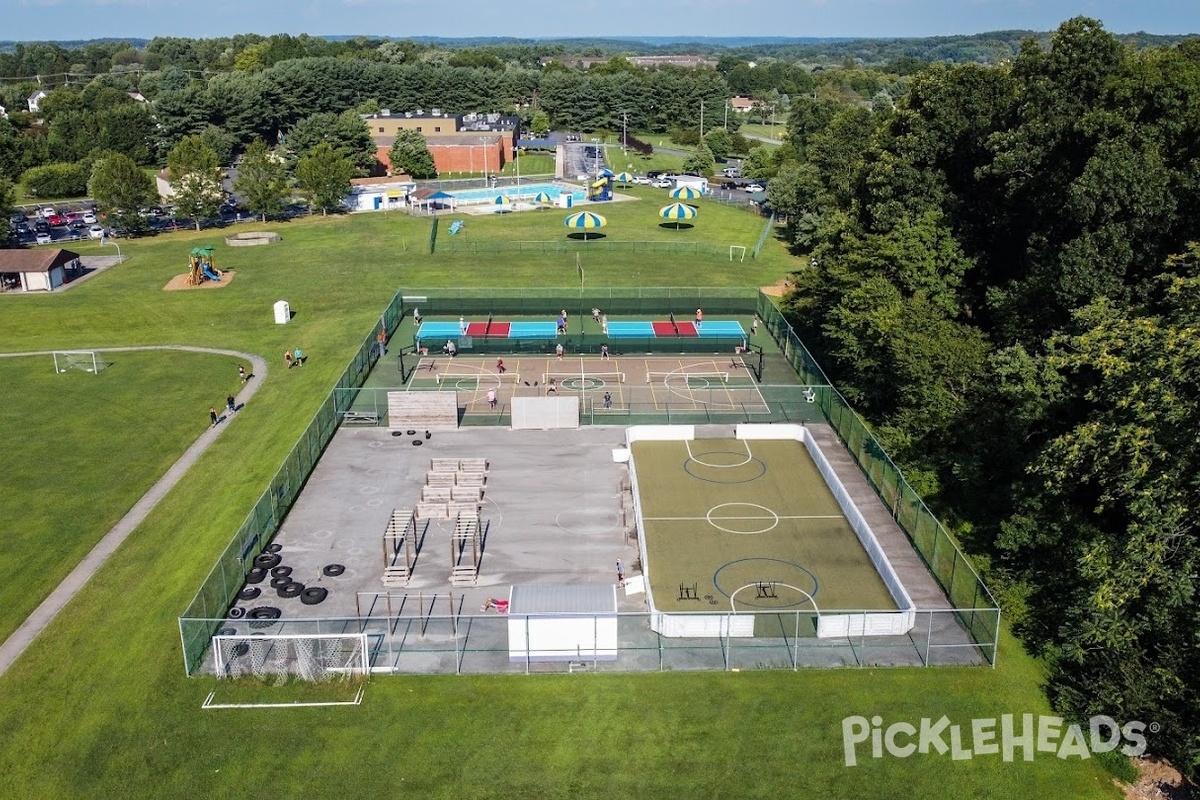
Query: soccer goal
x=311 y=657
x=86 y=360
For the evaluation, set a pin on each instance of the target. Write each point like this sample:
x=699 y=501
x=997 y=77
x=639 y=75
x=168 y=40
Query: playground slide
x=212 y=276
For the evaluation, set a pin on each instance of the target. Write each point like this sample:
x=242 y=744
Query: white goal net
x=311 y=657
x=86 y=360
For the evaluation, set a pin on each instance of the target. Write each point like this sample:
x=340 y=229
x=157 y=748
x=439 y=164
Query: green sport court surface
x=748 y=526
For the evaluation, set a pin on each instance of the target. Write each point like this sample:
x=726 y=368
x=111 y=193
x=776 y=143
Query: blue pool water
x=524 y=192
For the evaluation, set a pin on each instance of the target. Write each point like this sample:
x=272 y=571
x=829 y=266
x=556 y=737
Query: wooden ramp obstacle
x=466 y=548
x=423 y=410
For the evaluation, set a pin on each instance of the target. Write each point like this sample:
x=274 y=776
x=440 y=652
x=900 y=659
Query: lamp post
x=104 y=241
x=624 y=133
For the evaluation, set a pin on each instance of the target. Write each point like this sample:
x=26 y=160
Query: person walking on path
x=231 y=404
x=620 y=572
x=242 y=373
x=212 y=416
x=298 y=357
x=287 y=357
x=491 y=398
x=754 y=326
x=381 y=340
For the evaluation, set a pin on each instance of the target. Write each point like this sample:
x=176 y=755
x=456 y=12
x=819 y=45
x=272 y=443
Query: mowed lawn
x=100 y=707
x=81 y=448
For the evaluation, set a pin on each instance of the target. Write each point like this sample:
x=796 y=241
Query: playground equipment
x=202 y=268
x=601 y=188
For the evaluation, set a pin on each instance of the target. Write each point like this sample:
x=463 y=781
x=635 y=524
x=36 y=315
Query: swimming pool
x=524 y=192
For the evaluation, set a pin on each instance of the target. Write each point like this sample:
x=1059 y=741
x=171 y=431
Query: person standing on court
x=381 y=340
x=417 y=317
x=699 y=318
x=558 y=350
x=608 y=400
x=754 y=326
x=491 y=398
x=604 y=352
x=500 y=368
x=462 y=325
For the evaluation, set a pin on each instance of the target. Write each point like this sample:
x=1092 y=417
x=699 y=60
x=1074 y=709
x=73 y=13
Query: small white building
x=378 y=194
x=694 y=181
x=34 y=101
x=562 y=623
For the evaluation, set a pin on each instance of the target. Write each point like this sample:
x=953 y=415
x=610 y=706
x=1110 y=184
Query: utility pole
x=726 y=113
x=701 y=119
x=624 y=134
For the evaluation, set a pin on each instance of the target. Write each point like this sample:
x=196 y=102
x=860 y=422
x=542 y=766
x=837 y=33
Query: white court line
x=749 y=456
x=773 y=516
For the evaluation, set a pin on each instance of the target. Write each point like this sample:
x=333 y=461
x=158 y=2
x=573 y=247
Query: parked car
x=44 y=238
x=89 y=218
x=661 y=183
x=753 y=187
x=96 y=232
x=54 y=220
x=41 y=226
x=48 y=211
x=642 y=179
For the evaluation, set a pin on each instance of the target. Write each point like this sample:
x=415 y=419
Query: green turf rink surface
x=100 y=707
x=81 y=448
x=724 y=514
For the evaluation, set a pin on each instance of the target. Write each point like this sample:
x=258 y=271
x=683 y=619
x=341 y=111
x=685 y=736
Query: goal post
x=311 y=657
x=739 y=249
x=86 y=360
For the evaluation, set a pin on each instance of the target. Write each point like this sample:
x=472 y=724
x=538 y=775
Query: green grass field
x=99 y=705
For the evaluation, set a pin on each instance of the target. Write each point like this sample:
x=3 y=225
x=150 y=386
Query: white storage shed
x=562 y=623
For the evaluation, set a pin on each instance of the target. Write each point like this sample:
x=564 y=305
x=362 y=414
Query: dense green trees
x=1002 y=281
x=196 y=179
x=262 y=180
x=121 y=189
x=323 y=175
x=410 y=156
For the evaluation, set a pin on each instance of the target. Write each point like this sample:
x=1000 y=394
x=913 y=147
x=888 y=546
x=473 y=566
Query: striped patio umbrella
x=623 y=177
x=585 y=221
x=685 y=192
x=542 y=197
x=678 y=211
x=501 y=200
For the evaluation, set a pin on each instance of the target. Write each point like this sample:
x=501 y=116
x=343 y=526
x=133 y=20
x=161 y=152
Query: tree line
x=1004 y=279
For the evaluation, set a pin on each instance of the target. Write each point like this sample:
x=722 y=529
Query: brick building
x=477 y=143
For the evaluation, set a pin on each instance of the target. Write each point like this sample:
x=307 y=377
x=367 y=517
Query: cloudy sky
x=27 y=20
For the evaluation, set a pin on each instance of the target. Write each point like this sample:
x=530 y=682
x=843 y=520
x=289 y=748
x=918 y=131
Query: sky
x=41 y=20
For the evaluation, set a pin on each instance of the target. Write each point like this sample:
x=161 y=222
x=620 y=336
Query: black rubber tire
x=249 y=593
x=281 y=572
x=267 y=560
x=227 y=632
x=411 y=433
x=333 y=570
x=397 y=433
x=276 y=583
x=290 y=590
x=273 y=547
x=313 y=595
x=240 y=649
x=236 y=612
x=417 y=443
x=256 y=575
x=265 y=612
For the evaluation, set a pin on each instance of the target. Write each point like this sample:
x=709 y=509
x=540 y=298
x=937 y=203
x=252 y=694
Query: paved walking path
x=36 y=622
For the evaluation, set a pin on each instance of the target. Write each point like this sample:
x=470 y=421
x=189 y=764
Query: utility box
x=283 y=313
